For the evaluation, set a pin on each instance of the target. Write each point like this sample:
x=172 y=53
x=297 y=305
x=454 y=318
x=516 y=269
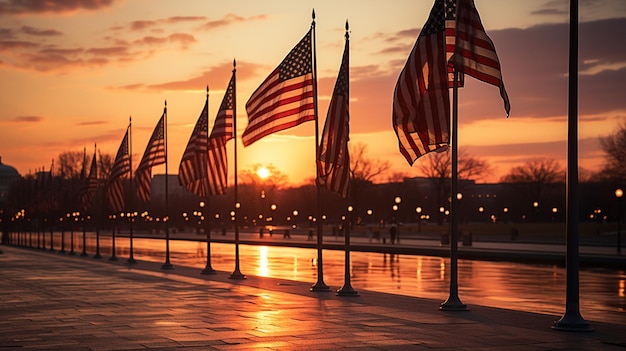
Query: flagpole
x=319 y=285
x=236 y=273
x=130 y=214
x=98 y=209
x=52 y=219
x=346 y=289
x=166 y=219
x=208 y=269
x=572 y=320
x=453 y=303
x=85 y=205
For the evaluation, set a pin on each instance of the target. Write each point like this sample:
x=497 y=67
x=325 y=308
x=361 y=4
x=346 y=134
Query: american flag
x=475 y=53
x=221 y=133
x=285 y=98
x=421 y=104
x=154 y=155
x=192 y=172
x=90 y=184
x=119 y=172
x=333 y=161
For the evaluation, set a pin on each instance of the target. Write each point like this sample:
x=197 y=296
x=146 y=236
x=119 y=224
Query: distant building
x=8 y=175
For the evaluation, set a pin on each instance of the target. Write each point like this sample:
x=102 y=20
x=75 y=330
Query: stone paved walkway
x=50 y=301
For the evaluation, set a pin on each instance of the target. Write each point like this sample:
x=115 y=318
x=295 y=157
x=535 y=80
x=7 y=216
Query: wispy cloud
x=51 y=6
x=25 y=119
x=40 y=32
x=91 y=123
x=215 y=75
x=229 y=19
x=141 y=25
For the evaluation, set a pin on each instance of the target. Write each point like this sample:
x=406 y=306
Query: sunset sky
x=72 y=72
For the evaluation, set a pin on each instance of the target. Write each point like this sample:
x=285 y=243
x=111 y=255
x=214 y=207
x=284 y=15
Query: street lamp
x=618 y=194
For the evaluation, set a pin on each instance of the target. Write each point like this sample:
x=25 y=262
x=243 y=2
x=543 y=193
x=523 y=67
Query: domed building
x=8 y=175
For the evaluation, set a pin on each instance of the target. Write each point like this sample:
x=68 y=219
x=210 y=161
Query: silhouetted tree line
x=534 y=191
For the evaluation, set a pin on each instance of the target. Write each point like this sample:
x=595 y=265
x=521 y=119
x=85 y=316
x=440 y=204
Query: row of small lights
x=21 y=214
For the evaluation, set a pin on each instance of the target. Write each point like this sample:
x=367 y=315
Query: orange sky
x=71 y=74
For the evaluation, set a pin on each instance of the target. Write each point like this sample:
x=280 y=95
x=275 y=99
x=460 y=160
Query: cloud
x=141 y=25
x=215 y=75
x=40 y=32
x=181 y=38
x=8 y=45
x=229 y=19
x=25 y=119
x=31 y=55
x=91 y=123
x=51 y=6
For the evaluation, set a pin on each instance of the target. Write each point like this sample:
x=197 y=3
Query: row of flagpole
x=452 y=43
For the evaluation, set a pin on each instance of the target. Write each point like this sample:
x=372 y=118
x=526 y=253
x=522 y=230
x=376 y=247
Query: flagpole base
x=208 y=270
x=167 y=265
x=72 y=253
x=237 y=275
x=320 y=287
x=453 y=303
x=97 y=256
x=84 y=254
x=113 y=258
x=573 y=322
x=131 y=261
x=347 y=290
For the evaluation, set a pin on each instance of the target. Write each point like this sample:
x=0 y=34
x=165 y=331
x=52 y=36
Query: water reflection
x=524 y=287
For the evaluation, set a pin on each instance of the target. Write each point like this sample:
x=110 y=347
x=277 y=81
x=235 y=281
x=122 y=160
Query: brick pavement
x=50 y=301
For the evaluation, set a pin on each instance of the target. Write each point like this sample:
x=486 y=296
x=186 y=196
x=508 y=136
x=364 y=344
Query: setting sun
x=263 y=172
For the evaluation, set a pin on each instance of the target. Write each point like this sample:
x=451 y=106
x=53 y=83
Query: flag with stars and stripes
x=421 y=102
x=285 y=99
x=333 y=162
x=154 y=155
x=475 y=53
x=222 y=132
x=192 y=172
x=119 y=172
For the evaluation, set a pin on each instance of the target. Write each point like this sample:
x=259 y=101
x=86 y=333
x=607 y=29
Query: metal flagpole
x=166 y=219
x=572 y=319
x=236 y=273
x=319 y=285
x=346 y=289
x=84 y=253
x=129 y=196
x=208 y=269
x=98 y=209
x=52 y=219
x=453 y=303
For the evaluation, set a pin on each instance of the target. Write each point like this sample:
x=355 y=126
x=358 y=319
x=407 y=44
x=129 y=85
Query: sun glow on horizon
x=263 y=172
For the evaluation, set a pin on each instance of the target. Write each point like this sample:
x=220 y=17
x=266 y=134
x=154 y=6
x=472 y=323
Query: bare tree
x=69 y=164
x=536 y=178
x=363 y=170
x=438 y=168
x=614 y=147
